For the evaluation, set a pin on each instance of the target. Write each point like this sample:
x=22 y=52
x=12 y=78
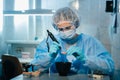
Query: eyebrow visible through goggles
x=66 y=28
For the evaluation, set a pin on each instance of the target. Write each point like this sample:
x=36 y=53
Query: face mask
x=67 y=34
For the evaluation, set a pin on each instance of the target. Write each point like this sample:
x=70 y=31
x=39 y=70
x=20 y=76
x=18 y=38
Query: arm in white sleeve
x=41 y=57
x=99 y=58
x=102 y=63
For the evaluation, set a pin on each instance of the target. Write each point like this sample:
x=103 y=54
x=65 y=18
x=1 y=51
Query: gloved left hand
x=76 y=52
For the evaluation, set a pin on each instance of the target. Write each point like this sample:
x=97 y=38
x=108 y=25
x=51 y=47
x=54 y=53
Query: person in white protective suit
x=83 y=51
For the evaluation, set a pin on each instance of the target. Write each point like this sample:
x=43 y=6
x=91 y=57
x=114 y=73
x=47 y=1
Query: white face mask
x=67 y=34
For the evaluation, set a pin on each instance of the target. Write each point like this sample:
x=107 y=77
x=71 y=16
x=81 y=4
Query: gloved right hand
x=54 y=49
x=76 y=52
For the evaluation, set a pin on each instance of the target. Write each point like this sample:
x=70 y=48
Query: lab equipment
x=52 y=36
x=63 y=68
x=55 y=47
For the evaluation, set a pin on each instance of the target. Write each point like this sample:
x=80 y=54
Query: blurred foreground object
x=11 y=67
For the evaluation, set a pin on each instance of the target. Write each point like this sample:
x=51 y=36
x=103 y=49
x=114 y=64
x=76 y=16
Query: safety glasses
x=65 y=28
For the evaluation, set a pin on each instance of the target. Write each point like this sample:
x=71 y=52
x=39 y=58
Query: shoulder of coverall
x=41 y=43
x=90 y=40
x=85 y=37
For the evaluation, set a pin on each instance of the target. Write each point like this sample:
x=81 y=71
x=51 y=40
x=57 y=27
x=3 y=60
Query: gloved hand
x=54 y=48
x=76 y=52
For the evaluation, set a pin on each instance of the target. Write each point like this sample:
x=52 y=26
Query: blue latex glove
x=76 y=52
x=54 y=49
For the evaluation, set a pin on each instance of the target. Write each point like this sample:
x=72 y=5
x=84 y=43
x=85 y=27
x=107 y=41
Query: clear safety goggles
x=66 y=28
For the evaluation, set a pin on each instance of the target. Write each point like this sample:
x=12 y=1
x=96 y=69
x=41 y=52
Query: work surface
x=69 y=77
